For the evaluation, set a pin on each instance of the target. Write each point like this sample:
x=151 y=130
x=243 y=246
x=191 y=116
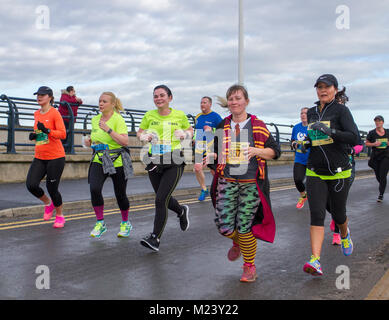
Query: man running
x=206 y=123
x=299 y=134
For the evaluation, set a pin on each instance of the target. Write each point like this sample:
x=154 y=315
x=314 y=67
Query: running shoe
x=380 y=198
x=48 y=211
x=313 y=266
x=184 y=218
x=336 y=239
x=332 y=225
x=347 y=244
x=203 y=194
x=125 y=229
x=59 y=222
x=249 y=273
x=234 y=252
x=151 y=242
x=300 y=203
x=98 y=230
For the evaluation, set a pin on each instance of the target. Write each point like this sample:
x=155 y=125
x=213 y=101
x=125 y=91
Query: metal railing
x=18 y=115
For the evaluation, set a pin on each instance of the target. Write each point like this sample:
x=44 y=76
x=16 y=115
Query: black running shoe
x=184 y=218
x=380 y=198
x=151 y=242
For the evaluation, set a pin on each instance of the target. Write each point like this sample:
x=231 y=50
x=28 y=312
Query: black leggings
x=299 y=176
x=320 y=192
x=96 y=182
x=164 y=181
x=381 y=171
x=52 y=169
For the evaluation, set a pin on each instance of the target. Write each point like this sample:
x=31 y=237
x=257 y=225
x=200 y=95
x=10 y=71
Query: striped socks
x=248 y=247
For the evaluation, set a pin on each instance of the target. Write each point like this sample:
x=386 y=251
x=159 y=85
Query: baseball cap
x=328 y=79
x=380 y=118
x=44 y=90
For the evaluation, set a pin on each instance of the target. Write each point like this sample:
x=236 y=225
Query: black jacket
x=331 y=158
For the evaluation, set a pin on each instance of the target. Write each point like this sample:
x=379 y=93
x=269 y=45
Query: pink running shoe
x=332 y=225
x=300 y=203
x=249 y=273
x=59 y=222
x=336 y=239
x=234 y=252
x=48 y=211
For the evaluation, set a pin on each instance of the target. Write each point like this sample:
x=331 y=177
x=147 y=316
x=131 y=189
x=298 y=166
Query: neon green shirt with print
x=164 y=127
x=117 y=124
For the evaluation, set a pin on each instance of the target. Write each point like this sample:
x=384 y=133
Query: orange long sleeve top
x=49 y=146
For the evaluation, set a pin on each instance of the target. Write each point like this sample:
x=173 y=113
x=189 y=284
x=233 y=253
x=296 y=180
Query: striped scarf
x=260 y=135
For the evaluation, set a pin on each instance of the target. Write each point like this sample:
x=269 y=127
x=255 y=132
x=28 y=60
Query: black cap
x=44 y=90
x=328 y=79
x=380 y=118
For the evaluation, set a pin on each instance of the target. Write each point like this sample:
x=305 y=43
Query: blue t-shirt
x=299 y=133
x=204 y=139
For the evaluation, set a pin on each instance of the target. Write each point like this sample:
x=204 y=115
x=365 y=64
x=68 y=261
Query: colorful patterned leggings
x=236 y=204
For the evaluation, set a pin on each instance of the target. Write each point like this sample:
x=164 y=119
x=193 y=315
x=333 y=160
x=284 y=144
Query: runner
x=49 y=159
x=331 y=129
x=165 y=128
x=240 y=188
x=206 y=123
x=299 y=134
x=342 y=98
x=379 y=159
x=111 y=157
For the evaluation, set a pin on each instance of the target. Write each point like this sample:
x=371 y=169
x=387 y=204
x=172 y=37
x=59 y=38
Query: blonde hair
x=117 y=104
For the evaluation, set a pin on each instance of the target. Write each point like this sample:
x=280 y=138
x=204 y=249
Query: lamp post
x=241 y=43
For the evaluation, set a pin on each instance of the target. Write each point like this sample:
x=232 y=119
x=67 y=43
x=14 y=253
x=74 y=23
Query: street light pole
x=241 y=43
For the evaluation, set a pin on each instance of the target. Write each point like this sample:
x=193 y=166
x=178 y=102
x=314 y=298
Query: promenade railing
x=17 y=115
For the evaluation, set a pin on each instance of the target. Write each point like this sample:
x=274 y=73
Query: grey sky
x=129 y=47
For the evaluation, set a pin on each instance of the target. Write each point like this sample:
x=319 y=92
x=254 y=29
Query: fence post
x=277 y=133
x=132 y=121
x=11 y=125
x=69 y=146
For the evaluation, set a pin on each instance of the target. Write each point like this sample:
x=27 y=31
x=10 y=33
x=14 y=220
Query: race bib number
x=41 y=138
x=237 y=154
x=384 y=143
x=161 y=148
x=319 y=138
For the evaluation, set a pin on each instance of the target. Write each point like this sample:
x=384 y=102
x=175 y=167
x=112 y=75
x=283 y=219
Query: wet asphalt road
x=193 y=264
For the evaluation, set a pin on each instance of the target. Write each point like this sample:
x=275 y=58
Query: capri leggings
x=381 y=171
x=164 y=181
x=299 y=176
x=320 y=191
x=52 y=169
x=236 y=205
x=96 y=181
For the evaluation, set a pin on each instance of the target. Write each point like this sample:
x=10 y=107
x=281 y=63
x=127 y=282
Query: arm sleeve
x=271 y=143
x=185 y=122
x=349 y=133
x=144 y=124
x=59 y=130
x=121 y=126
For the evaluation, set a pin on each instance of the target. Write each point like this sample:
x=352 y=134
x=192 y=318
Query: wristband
x=109 y=131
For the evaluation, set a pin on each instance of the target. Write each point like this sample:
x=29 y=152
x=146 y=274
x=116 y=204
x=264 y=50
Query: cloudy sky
x=130 y=46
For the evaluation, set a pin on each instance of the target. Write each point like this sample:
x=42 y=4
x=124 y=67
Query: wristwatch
x=109 y=131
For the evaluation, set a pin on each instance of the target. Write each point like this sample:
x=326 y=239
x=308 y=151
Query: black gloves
x=304 y=145
x=32 y=136
x=42 y=128
x=322 y=127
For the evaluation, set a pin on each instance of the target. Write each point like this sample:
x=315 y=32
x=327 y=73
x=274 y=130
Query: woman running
x=49 y=159
x=111 y=157
x=165 y=128
x=342 y=98
x=331 y=130
x=240 y=188
x=299 y=134
x=379 y=159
